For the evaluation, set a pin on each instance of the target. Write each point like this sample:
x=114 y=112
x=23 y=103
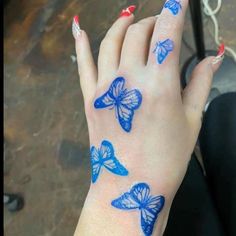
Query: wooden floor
x=46 y=136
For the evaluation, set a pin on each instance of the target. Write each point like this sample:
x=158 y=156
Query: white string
x=211 y=13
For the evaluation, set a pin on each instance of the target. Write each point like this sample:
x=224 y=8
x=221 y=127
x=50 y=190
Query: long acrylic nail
x=220 y=54
x=128 y=11
x=76 y=31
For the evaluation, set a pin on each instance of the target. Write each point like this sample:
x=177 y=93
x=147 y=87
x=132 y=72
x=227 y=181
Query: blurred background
x=45 y=132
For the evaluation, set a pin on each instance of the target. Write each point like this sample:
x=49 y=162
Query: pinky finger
x=196 y=93
x=86 y=67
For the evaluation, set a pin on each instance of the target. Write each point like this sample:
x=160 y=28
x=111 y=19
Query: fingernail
x=76 y=31
x=220 y=54
x=128 y=11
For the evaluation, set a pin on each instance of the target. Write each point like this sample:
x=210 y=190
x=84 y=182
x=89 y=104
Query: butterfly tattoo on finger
x=124 y=101
x=162 y=50
x=173 y=5
x=139 y=198
x=105 y=157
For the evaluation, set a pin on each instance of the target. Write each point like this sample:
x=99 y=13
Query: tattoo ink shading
x=173 y=5
x=162 y=49
x=139 y=198
x=123 y=100
x=105 y=157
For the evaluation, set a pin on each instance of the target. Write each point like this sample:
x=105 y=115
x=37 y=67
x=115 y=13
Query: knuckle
x=167 y=25
x=108 y=42
x=134 y=29
x=146 y=21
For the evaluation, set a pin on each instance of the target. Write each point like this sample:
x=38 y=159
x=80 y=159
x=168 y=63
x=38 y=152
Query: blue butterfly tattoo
x=174 y=6
x=105 y=157
x=139 y=198
x=162 y=49
x=123 y=100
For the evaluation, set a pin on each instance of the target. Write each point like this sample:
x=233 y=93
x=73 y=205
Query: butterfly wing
x=95 y=163
x=161 y=54
x=110 y=161
x=173 y=5
x=129 y=101
x=169 y=4
x=168 y=45
x=163 y=50
x=117 y=87
x=106 y=150
x=176 y=8
x=155 y=203
x=125 y=202
x=140 y=192
x=108 y=99
x=150 y=206
x=115 y=167
x=125 y=117
x=150 y=213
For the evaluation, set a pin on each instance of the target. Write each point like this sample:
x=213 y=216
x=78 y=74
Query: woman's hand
x=142 y=125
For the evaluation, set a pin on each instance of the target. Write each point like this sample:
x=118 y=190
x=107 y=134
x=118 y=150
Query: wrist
x=99 y=203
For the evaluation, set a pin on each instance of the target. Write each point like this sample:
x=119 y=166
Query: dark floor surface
x=46 y=136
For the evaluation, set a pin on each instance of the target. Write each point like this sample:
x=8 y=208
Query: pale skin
x=164 y=129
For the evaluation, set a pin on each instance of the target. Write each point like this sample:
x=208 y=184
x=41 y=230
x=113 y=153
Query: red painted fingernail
x=220 y=54
x=128 y=11
x=76 y=31
x=221 y=50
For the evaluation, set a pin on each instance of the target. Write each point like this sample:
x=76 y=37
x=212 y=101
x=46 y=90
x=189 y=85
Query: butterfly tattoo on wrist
x=139 y=198
x=105 y=157
x=124 y=101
